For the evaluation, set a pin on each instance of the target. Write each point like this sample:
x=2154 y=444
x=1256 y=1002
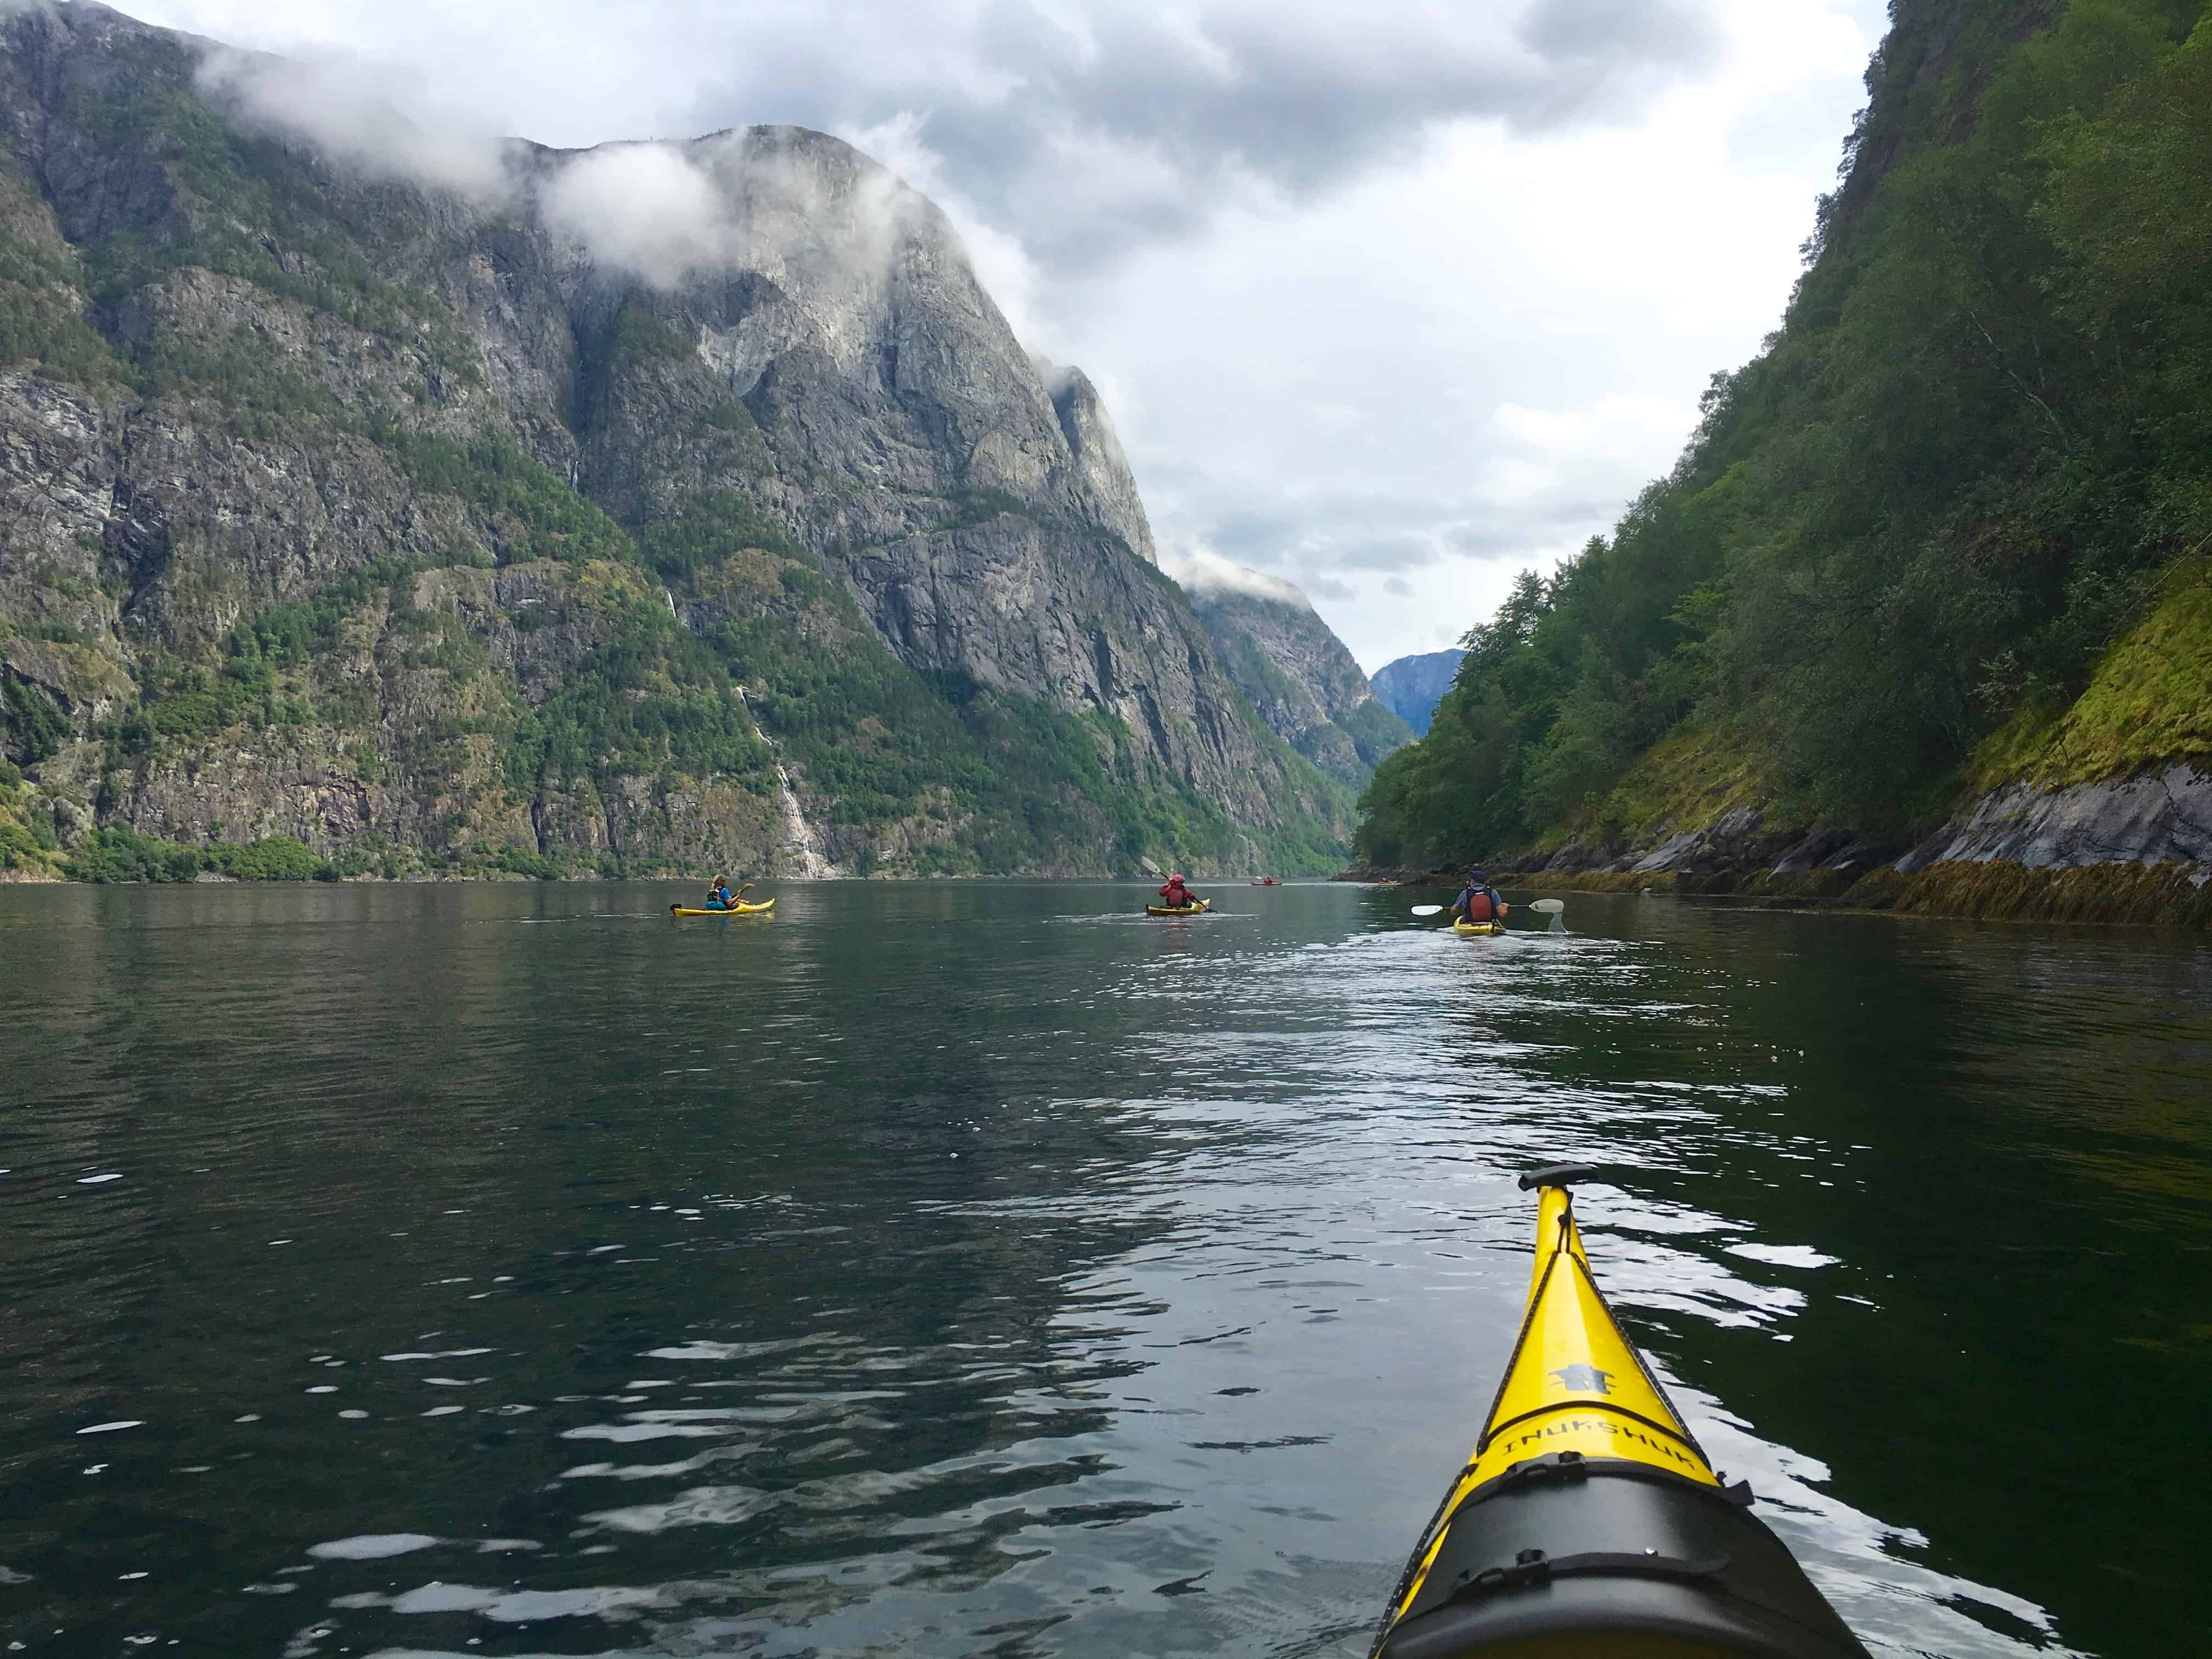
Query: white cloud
x=1200 y=569
x=647 y=209
x=371 y=117
x=659 y=211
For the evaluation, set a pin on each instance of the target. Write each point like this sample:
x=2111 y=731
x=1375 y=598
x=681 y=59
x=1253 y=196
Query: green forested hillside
x=1975 y=460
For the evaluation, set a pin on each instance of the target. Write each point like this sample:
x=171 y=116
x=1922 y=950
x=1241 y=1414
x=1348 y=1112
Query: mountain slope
x=1890 y=576
x=1412 y=686
x=1306 y=685
x=650 y=506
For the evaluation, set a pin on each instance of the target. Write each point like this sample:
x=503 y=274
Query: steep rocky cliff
x=1299 y=676
x=654 y=507
x=1412 y=686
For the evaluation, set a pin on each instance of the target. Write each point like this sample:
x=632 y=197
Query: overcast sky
x=1390 y=300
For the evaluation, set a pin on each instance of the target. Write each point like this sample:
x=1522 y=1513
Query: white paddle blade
x=1549 y=907
x=1428 y=909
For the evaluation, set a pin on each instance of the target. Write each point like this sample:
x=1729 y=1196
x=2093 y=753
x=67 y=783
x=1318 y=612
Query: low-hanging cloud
x=355 y=113
x=1199 y=569
x=658 y=211
x=646 y=209
x=769 y=201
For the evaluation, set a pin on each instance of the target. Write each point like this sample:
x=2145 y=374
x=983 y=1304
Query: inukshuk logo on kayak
x=1584 y=1379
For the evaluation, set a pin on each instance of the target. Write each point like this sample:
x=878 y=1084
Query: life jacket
x=1175 y=894
x=1482 y=905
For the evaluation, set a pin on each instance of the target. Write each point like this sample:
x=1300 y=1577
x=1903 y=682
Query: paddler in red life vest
x=1478 y=902
x=1176 y=895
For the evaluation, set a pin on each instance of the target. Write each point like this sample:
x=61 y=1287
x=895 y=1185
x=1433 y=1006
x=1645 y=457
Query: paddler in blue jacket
x=718 y=896
x=1478 y=902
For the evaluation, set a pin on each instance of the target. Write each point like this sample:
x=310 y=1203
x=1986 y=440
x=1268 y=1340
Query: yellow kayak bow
x=1197 y=910
x=1588 y=1523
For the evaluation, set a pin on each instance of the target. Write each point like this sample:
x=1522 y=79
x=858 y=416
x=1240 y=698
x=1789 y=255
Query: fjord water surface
x=961 y=1268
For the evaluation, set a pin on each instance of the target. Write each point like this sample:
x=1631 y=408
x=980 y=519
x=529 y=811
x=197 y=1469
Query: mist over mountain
x=443 y=503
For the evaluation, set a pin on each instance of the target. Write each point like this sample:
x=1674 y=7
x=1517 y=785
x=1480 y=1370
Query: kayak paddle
x=1551 y=907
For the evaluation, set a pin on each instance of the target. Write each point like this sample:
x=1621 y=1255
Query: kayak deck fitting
x=740 y=909
x=1197 y=910
x=1478 y=929
x=1588 y=1523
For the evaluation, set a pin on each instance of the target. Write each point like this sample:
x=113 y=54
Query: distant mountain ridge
x=1305 y=683
x=1412 y=686
x=658 y=507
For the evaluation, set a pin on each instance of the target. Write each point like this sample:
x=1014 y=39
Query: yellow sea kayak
x=1478 y=929
x=1197 y=910
x=1588 y=1523
x=740 y=909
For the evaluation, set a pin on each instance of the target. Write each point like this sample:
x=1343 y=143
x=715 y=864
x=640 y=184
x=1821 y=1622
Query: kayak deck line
x=1588 y=1523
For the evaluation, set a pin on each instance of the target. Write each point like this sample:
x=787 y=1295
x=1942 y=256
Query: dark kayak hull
x=1616 y=1559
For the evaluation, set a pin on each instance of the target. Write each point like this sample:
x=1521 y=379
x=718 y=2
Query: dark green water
x=953 y=1269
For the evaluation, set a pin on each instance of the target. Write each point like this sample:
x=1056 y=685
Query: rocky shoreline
x=2133 y=851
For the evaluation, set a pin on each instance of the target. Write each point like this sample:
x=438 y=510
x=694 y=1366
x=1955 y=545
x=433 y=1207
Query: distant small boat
x=1266 y=881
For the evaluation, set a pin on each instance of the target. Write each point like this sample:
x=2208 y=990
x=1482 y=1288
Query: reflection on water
x=943 y=1269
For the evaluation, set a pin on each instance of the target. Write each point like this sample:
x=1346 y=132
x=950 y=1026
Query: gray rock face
x=839 y=310
x=1306 y=685
x=426 y=446
x=1740 y=839
x=2165 y=817
x=1099 y=458
x=1412 y=686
